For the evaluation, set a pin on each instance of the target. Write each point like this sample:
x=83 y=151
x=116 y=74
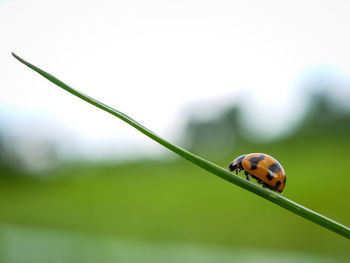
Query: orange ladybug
x=262 y=167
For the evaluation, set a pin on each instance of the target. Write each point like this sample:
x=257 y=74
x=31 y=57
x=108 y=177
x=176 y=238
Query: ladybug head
x=236 y=163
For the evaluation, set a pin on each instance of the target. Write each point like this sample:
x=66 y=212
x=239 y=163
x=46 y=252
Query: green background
x=171 y=210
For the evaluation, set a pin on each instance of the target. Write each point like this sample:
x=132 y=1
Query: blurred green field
x=175 y=201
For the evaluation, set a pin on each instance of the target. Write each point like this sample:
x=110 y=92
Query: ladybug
x=263 y=168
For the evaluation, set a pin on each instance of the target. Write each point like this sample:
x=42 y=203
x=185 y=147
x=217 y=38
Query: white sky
x=152 y=59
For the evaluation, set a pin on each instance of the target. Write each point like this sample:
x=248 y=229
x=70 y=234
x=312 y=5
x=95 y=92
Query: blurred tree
x=217 y=136
x=26 y=155
x=323 y=118
x=5 y=166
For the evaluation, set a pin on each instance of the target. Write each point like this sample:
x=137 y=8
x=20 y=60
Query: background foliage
x=171 y=201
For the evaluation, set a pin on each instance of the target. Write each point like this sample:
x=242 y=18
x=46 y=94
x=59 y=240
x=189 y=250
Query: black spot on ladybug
x=269 y=176
x=284 y=181
x=275 y=168
x=278 y=183
x=255 y=160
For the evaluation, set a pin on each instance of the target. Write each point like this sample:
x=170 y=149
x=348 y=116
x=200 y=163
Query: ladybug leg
x=247 y=175
x=265 y=185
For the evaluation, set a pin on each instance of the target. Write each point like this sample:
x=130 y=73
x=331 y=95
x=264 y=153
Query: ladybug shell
x=266 y=168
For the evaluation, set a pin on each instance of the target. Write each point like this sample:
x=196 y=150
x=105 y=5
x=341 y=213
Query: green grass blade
x=209 y=166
